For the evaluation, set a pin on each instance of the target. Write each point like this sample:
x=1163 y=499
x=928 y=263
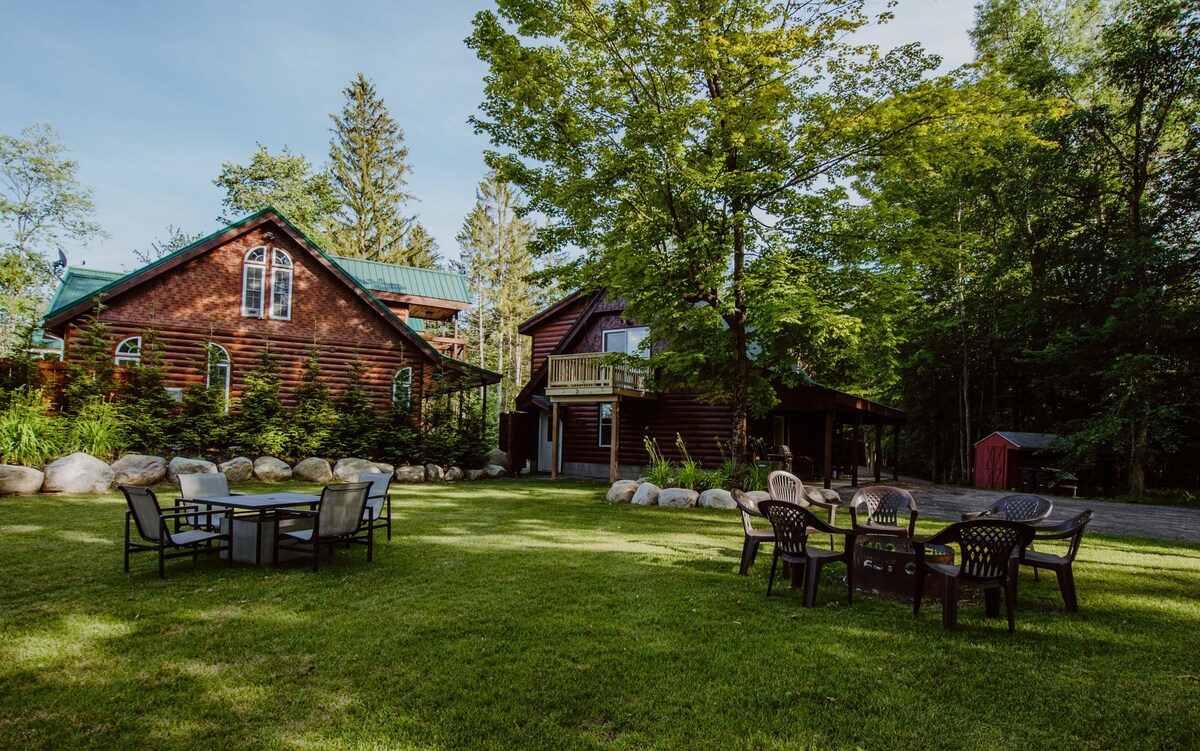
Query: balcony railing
x=583 y=375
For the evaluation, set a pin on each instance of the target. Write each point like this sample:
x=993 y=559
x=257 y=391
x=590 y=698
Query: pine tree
x=368 y=162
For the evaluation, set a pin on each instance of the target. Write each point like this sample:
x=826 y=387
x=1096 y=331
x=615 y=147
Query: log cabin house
x=580 y=418
x=216 y=304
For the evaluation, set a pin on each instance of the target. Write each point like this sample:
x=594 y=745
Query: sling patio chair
x=753 y=537
x=986 y=560
x=340 y=516
x=379 y=500
x=884 y=506
x=162 y=531
x=1070 y=530
x=1030 y=509
x=792 y=523
x=203 y=485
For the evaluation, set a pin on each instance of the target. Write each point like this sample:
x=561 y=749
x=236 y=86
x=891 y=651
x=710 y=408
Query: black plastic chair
x=340 y=516
x=1030 y=509
x=753 y=537
x=884 y=506
x=162 y=531
x=792 y=523
x=986 y=560
x=1072 y=530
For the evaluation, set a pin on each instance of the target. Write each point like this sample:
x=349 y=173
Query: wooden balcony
x=584 y=376
x=448 y=345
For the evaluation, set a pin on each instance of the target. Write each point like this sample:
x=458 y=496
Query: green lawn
x=526 y=614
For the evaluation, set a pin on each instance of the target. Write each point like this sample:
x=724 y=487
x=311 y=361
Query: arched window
x=402 y=387
x=254 y=275
x=281 y=285
x=129 y=351
x=217 y=372
x=259 y=265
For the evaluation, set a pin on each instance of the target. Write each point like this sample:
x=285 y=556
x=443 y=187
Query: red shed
x=1000 y=457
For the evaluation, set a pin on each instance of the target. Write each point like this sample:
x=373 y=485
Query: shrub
x=756 y=476
x=263 y=425
x=97 y=430
x=29 y=433
x=92 y=377
x=356 y=430
x=313 y=416
x=660 y=471
x=146 y=409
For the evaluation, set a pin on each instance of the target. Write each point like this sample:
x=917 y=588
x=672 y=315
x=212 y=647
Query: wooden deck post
x=615 y=440
x=854 y=448
x=828 y=470
x=896 y=452
x=553 y=440
x=878 y=450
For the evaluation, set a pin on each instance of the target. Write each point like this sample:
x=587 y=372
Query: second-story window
x=627 y=341
x=260 y=265
x=129 y=351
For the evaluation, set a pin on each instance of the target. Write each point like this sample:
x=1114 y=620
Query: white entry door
x=544 y=448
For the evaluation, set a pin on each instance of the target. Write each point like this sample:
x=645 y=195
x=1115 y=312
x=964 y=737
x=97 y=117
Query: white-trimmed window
x=129 y=351
x=254 y=282
x=627 y=341
x=217 y=372
x=605 y=425
x=402 y=387
x=281 y=285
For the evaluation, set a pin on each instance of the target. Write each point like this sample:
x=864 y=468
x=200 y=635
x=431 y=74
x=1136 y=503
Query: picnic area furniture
x=198 y=485
x=1030 y=509
x=753 y=537
x=887 y=565
x=1072 y=531
x=785 y=486
x=338 y=518
x=792 y=523
x=885 y=508
x=161 y=531
x=986 y=560
x=379 y=500
x=255 y=521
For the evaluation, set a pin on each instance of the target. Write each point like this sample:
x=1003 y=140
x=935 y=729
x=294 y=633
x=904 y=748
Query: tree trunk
x=741 y=358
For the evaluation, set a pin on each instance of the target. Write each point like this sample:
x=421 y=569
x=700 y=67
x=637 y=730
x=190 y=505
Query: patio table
x=249 y=545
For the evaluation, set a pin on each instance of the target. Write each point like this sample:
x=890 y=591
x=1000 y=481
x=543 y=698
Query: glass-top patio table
x=254 y=531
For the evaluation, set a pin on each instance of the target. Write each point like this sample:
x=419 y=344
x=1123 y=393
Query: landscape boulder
x=454 y=474
x=139 y=469
x=78 y=473
x=410 y=473
x=348 y=469
x=270 y=469
x=646 y=495
x=756 y=497
x=237 y=469
x=827 y=495
x=677 y=498
x=475 y=474
x=493 y=471
x=313 y=469
x=622 y=491
x=496 y=456
x=433 y=473
x=17 y=480
x=182 y=465
x=716 y=498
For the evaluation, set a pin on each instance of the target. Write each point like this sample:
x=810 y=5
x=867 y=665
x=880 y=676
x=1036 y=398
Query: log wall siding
x=202 y=301
x=547 y=335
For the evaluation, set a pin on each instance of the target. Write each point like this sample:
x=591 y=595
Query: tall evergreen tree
x=368 y=163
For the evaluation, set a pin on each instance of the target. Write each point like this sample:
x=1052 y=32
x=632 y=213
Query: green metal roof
x=80 y=284
x=405 y=280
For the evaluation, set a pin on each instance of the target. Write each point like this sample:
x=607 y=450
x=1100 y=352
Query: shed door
x=543 y=461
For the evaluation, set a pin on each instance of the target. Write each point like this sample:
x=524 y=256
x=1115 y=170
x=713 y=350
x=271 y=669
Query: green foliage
x=313 y=417
x=356 y=432
x=29 y=433
x=176 y=239
x=660 y=471
x=91 y=373
x=147 y=411
x=204 y=425
x=263 y=427
x=97 y=429
x=690 y=475
x=285 y=182
x=756 y=476
x=401 y=435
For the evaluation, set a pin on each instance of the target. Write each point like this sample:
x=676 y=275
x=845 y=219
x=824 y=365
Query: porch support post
x=554 y=440
x=896 y=452
x=615 y=440
x=483 y=409
x=878 y=450
x=828 y=469
x=854 y=449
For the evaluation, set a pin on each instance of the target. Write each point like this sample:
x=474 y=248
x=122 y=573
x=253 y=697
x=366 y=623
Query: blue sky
x=152 y=97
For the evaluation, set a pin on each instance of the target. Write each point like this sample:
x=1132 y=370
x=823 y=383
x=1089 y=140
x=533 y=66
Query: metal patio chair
x=340 y=516
x=164 y=531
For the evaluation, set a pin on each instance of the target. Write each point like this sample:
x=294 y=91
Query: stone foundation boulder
x=716 y=498
x=17 y=480
x=182 y=465
x=646 y=495
x=237 y=469
x=454 y=474
x=434 y=473
x=475 y=474
x=348 y=470
x=828 y=495
x=677 y=498
x=270 y=469
x=622 y=491
x=496 y=456
x=410 y=473
x=313 y=469
x=756 y=497
x=139 y=469
x=493 y=471
x=78 y=473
